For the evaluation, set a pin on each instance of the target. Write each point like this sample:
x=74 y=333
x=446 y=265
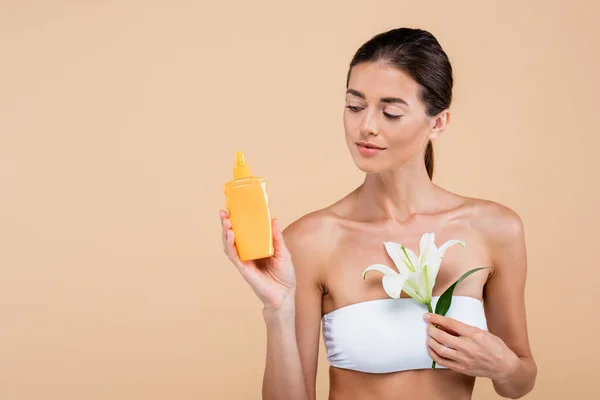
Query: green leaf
x=443 y=303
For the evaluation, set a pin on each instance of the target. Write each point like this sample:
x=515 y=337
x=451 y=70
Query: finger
x=232 y=250
x=444 y=338
x=461 y=329
x=441 y=361
x=447 y=330
x=223 y=230
x=226 y=226
x=226 y=222
x=441 y=350
x=279 y=246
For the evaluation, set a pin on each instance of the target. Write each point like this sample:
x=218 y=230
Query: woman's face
x=383 y=109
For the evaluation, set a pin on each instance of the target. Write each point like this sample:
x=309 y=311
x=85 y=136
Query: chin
x=368 y=165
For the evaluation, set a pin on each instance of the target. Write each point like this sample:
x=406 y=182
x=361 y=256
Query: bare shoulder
x=310 y=229
x=497 y=222
x=503 y=231
x=312 y=236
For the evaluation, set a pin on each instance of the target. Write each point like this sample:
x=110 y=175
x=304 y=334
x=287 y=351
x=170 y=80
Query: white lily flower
x=417 y=274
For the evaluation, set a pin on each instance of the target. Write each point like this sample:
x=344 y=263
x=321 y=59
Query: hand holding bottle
x=252 y=240
x=272 y=278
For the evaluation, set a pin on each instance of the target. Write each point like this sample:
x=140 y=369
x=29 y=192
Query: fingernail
x=426 y=316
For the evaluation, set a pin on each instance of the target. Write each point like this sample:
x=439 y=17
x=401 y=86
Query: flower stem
x=431 y=311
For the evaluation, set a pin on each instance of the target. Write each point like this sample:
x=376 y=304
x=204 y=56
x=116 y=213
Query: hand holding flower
x=468 y=349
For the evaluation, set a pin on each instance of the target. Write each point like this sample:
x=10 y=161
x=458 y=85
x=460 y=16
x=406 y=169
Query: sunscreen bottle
x=247 y=202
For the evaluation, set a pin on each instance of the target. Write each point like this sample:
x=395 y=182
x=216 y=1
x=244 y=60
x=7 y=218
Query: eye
x=354 y=109
x=390 y=116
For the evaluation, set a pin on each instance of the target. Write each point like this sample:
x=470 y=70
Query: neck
x=397 y=194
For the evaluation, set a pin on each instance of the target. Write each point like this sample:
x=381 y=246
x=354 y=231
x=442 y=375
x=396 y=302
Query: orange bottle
x=247 y=202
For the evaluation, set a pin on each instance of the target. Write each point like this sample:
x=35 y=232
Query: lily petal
x=449 y=243
x=427 y=249
x=430 y=274
x=412 y=288
x=393 y=284
x=432 y=261
x=405 y=260
x=384 y=269
x=427 y=243
x=418 y=281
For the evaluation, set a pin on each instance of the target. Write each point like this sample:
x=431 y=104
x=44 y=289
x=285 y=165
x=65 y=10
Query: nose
x=369 y=124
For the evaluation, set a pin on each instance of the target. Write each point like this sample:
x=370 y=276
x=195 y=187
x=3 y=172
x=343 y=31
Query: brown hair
x=419 y=54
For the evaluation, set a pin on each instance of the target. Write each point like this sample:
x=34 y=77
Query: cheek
x=408 y=139
x=405 y=133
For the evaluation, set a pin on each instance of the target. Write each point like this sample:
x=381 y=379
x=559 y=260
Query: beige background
x=118 y=124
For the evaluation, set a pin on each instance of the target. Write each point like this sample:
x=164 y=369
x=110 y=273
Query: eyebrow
x=383 y=99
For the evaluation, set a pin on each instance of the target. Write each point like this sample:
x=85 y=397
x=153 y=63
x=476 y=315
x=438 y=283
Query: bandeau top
x=389 y=335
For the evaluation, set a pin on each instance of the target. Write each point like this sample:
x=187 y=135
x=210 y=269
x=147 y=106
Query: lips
x=369 y=149
x=370 y=145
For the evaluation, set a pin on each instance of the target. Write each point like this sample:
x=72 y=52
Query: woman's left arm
x=503 y=352
x=505 y=301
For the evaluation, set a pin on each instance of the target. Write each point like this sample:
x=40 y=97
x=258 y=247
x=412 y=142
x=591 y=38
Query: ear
x=439 y=124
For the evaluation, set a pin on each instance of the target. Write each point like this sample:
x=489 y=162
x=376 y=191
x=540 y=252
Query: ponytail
x=429 y=159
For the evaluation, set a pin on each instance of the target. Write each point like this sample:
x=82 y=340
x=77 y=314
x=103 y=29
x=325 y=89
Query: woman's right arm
x=292 y=295
x=293 y=330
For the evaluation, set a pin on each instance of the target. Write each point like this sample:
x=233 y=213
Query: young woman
x=399 y=90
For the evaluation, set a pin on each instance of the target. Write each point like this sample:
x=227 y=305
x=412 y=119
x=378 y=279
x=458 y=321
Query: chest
x=357 y=249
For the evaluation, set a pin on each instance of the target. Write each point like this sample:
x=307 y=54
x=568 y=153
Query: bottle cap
x=241 y=168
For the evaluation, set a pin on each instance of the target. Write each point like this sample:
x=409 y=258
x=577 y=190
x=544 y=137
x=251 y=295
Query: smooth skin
x=319 y=259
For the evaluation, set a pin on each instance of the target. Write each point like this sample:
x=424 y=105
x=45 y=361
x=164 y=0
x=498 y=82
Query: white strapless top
x=389 y=335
